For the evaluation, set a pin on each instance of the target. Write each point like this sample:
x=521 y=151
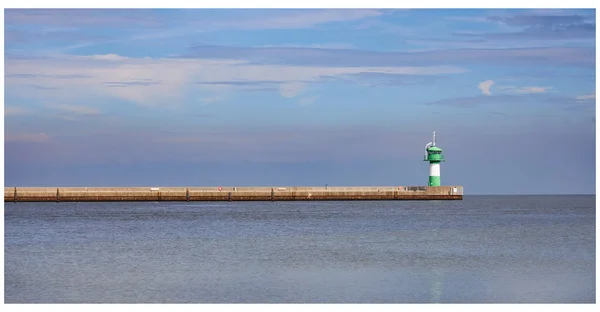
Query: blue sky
x=193 y=97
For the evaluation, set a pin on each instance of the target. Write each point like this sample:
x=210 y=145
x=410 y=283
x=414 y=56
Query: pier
x=230 y=193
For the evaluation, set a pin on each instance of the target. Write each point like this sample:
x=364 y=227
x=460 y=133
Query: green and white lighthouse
x=434 y=156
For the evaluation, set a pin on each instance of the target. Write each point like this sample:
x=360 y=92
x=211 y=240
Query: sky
x=301 y=97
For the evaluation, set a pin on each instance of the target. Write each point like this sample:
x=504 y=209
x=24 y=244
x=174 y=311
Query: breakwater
x=75 y=194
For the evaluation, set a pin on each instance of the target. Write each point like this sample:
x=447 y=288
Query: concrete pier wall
x=71 y=194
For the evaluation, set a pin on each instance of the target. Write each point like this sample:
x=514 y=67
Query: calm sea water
x=484 y=249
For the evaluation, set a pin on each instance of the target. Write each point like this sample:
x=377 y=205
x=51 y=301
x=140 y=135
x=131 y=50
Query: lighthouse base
x=434 y=181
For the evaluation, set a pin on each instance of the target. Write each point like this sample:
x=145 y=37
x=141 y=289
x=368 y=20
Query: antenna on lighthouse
x=434 y=138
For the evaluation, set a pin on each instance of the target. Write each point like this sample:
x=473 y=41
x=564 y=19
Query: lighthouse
x=434 y=156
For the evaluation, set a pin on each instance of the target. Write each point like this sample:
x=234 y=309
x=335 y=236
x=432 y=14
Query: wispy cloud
x=107 y=57
x=42 y=87
x=539 y=21
x=290 y=90
x=308 y=100
x=550 y=101
x=485 y=86
x=131 y=83
x=150 y=81
x=74 y=109
x=300 y=19
x=473 y=101
x=541 y=27
x=474 y=19
x=525 y=90
x=337 y=46
x=16 y=110
x=332 y=57
x=60 y=36
x=211 y=100
x=586 y=97
x=390 y=80
x=51 y=76
x=27 y=137
x=81 y=17
x=259 y=20
x=246 y=86
x=152 y=24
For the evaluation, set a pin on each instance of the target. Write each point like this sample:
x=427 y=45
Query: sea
x=482 y=249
